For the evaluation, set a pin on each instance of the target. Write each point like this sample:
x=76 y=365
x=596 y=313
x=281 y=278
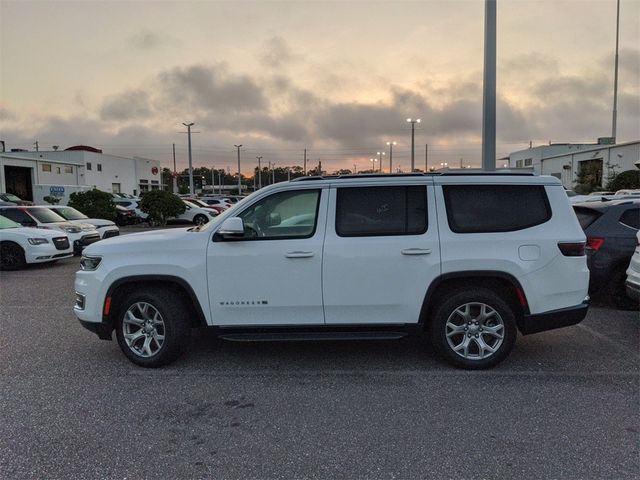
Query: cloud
x=6 y=114
x=129 y=105
x=204 y=88
x=146 y=40
x=277 y=53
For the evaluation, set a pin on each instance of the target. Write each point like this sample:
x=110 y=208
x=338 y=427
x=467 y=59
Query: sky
x=338 y=78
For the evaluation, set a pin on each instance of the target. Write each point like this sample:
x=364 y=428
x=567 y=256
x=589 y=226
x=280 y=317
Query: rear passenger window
x=586 y=216
x=378 y=211
x=495 y=208
x=631 y=218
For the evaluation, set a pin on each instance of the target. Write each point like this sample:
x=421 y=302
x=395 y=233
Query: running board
x=310 y=336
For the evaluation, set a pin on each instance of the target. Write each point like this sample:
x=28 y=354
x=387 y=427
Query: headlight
x=89 y=263
x=37 y=241
x=71 y=229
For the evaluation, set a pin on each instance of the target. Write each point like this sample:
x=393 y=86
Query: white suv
x=470 y=258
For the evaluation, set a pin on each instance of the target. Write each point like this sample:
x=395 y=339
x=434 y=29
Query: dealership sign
x=56 y=191
x=154 y=170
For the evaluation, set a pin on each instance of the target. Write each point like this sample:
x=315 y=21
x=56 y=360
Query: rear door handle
x=416 y=251
x=299 y=254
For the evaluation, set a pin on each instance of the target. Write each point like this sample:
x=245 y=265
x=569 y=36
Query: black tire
x=200 y=219
x=474 y=297
x=11 y=256
x=175 y=315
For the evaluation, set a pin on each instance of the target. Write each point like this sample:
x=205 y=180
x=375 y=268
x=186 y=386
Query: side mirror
x=232 y=228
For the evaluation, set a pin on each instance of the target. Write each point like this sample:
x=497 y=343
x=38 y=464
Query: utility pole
x=615 y=78
x=239 y=174
x=259 y=172
x=37 y=146
x=426 y=158
x=268 y=170
x=273 y=173
x=213 y=179
x=355 y=168
x=489 y=88
x=391 y=144
x=189 y=125
x=461 y=162
x=413 y=142
x=175 y=172
x=304 y=169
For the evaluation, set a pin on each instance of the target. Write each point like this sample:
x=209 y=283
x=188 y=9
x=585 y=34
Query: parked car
x=632 y=283
x=625 y=192
x=195 y=214
x=106 y=228
x=382 y=256
x=611 y=228
x=132 y=204
x=11 y=198
x=196 y=202
x=125 y=216
x=219 y=204
x=20 y=245
x=80 y=235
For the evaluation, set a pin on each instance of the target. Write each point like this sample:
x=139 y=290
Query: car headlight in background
x=37 y=241
x=89 y=263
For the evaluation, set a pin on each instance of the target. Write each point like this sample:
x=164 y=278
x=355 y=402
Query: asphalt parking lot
x=565 y=404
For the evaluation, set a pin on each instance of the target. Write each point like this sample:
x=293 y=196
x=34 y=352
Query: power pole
x=426 y=158
x=213 y=179
x=175 y=172
x=273 y=173
x=239 y=174
x=37 y=146
x=189 y=125
x=259 y=172
x=413 y=141
x=304 y=169
x=355 y=168
x=489 y=88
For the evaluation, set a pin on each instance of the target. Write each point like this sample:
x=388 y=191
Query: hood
x=164 y=241
x=35 y=232
x=99 y=222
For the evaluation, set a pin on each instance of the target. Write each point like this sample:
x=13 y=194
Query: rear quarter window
x=586 y=216
x=495 y=208
x=631 y=218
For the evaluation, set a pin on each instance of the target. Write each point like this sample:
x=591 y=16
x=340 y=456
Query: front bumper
x=564 y=317
x=85 y=241
x=103 y=330
x=633 y=290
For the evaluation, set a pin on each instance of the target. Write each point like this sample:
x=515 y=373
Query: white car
x=106 y=228
x=470 y=258
x=131 y=204
x=80 y=235
x=195 y=214
x=23 y=245
x=632 y=283
x=627 y=192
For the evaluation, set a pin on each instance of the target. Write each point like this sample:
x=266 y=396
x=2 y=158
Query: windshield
x=6 y=223
x=70 y=213
x=44 y=215
x=11 y=197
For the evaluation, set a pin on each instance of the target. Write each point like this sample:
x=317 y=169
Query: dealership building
x=564 y=160
x=24 y=173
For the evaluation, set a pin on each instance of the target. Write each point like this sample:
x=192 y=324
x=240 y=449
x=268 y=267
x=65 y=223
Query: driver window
x=282 y=215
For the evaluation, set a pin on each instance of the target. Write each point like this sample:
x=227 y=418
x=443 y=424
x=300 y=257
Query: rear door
x=381 y=252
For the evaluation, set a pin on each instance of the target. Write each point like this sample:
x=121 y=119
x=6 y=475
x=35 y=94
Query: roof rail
x=416 y=174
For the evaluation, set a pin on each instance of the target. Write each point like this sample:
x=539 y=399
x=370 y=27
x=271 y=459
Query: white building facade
x=565 y=160
x=78 y=166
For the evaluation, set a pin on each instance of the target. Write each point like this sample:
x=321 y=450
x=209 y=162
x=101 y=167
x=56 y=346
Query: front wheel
x=153 y=327
x=473 y=329
x=200 y=219
x=11 y=256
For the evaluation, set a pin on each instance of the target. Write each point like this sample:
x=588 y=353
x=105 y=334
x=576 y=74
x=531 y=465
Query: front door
x=271 y=275
x=381 y=253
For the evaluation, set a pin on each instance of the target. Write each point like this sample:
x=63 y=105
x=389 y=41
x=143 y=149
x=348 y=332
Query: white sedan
x=22 y=245
x=106 y=228
x=196 y=214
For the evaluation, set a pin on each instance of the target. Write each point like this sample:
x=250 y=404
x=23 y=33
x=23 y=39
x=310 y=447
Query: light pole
x=489 y=88
x=213 y=179
x=444 y=164
x=259 y=172
x=380 y=155
x=391 y=144
x=189 y=125
x=373 y=164
x=273 y=173
x=413 y=141
x=239 y=174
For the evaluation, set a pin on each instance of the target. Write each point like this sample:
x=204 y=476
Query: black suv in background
x=610 y=227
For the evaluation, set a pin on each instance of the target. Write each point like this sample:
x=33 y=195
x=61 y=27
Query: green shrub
x=627 y=179
x=161 y=205
x=51 y=200
x=94 y=204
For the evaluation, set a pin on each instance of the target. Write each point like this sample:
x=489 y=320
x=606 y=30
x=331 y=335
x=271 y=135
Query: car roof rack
x=509 y=173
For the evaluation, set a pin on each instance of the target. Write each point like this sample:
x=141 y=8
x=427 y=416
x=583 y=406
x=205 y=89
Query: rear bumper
x=564 y=317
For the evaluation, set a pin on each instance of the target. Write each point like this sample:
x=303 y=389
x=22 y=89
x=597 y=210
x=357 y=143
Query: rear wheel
x=11 y=256
x=473 y=329
x=153 y=327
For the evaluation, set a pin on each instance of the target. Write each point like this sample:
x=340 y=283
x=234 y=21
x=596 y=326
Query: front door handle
x=299 y=254
x=416 y=251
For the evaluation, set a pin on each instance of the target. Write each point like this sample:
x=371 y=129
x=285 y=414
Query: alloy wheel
x=143 y=329
x=475 y=331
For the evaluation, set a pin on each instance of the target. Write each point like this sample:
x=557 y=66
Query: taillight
x=571 y=249
x=594 y=243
